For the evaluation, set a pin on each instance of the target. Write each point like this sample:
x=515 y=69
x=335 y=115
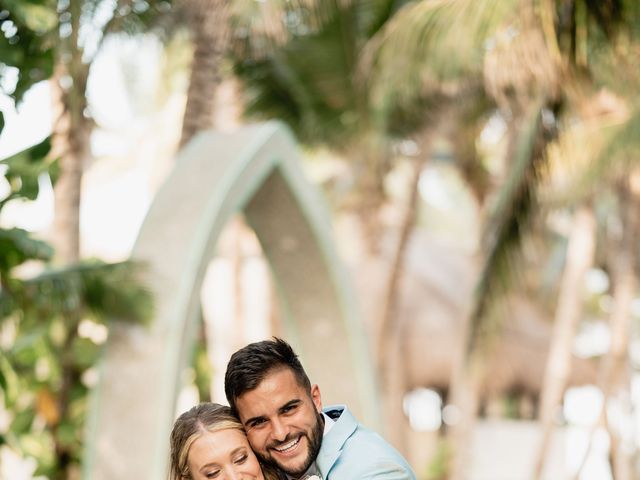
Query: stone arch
x=256 y=171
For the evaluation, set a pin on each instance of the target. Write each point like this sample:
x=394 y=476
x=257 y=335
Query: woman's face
x=223 y=455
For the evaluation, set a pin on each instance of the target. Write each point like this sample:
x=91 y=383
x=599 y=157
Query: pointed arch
x=255 y=171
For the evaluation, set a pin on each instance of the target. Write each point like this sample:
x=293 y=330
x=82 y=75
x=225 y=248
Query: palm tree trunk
x=387 y=323
x=70 y=146
x=479 y=329
x=368 y=195
x=580 y=252
x=70 y=139
x=209 y=23
x=390 y=337
x=613 y=374
x=464 y=397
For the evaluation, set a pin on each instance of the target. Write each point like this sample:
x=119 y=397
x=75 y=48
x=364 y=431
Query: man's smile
x=289 y=447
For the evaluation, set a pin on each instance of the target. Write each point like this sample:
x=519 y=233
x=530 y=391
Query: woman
x=208 y=442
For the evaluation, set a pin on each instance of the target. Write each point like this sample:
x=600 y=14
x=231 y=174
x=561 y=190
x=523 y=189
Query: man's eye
x=288 y=409
x=257 y=423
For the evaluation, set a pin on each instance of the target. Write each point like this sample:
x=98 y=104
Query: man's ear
x=316 y=397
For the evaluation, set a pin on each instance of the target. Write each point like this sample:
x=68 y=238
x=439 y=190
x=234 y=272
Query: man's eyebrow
x=289 y=404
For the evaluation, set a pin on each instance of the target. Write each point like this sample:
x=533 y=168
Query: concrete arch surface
x=256 y=171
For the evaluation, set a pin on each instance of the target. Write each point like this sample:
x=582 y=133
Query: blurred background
x=480 y=160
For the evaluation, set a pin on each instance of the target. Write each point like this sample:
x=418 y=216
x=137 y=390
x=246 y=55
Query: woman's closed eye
x=240 y=459
x=212 y=474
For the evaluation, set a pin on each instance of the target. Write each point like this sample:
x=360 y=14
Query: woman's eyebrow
x=236 y=450
x=208 y=465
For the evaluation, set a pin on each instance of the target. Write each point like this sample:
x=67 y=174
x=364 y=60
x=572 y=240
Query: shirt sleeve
x=384 y=471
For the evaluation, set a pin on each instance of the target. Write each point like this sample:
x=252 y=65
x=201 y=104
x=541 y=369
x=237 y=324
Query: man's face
x=282 y=421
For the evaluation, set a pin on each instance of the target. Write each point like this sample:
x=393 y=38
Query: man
x=282 y=413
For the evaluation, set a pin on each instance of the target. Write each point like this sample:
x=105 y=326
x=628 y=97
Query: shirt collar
x=328 y=423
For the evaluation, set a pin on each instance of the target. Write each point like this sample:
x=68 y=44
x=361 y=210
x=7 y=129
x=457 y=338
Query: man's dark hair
x=251 y=364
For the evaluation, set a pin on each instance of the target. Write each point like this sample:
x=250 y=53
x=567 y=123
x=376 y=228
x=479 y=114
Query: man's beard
x=315 y=442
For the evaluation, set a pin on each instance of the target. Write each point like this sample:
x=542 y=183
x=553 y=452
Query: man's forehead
x=276 y=379
x=275 y=390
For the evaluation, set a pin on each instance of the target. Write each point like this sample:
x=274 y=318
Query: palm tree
x=208 y=23
x=312 y=73
x=47 y=43
x=526 y=58
x=73 y=125
x=613 y=375
x=533 y=62
x=580 y=255
x=338 y=92
x=42 y=312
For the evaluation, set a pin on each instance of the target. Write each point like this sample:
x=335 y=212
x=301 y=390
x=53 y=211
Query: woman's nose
x=233 y=475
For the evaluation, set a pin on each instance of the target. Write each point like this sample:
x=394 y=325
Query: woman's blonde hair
x=206 y=417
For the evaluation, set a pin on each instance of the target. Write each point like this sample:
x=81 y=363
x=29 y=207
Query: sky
x=116 y=188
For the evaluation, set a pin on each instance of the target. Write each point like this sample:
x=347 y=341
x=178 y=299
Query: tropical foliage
x=52 y=323
x=53 y=318
x=559 y=74
x=364 y=79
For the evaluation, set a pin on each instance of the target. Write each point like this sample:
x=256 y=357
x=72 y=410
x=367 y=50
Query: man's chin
x=294 y=463
x=292 y=467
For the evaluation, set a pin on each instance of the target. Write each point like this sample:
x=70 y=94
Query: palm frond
x=306 y=81
x=519 y=68
x=303 y=67
x=109 y=291
x=429 y=44
x=589 y=154
x=17 y=246
x=625 y=143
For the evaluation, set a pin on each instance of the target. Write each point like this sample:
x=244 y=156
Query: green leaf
x=8 y=380
x=25 y=167
x=85 y=353
x=18 y=246
x=107 y=290
x=29 y=340
x=30 y=46
x=22 y=422
x=39 y=16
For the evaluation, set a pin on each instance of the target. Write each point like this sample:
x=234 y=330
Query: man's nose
x=279 y=430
